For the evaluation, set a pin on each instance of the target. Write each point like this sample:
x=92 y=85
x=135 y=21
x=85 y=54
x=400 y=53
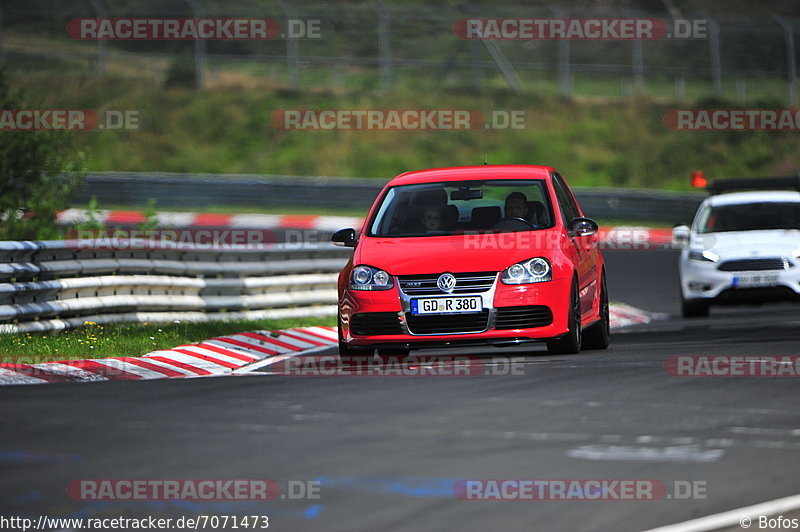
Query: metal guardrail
x=55 y=285
x=194 y=190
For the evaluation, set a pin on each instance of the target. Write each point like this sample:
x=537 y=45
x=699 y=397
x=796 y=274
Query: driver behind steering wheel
x=516 y=206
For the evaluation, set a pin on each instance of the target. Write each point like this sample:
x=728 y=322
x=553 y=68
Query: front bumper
x=704 y=281
x=494 y=326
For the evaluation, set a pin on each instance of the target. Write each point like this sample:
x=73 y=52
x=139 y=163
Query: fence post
x=637 y=58
x=791 y=66
x=199 y=46
x=292 y=63
x=638 y=66
x=741 y=90
x=102 y=57
x=476 y=70
x=564 y=73
x=2 y=55
x=680 y=87
x=384 y=44
x=716 y=62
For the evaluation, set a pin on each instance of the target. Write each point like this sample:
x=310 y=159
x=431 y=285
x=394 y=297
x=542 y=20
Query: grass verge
x=133 y=340
x=620 y=143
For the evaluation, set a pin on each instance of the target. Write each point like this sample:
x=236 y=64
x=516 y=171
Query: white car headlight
x=535 y=270
x=703 y=256
x=369 y=278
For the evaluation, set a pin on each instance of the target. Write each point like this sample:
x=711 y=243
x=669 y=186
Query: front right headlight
x=535 y=270
x=703 y=256
x=369 y=278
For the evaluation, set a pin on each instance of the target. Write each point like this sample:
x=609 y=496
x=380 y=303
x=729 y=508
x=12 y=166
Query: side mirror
x=680 y=235
x=583 y=227
x=345 y=237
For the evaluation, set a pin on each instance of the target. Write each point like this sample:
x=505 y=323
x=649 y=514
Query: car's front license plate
x=446 y=305
x=755 y=280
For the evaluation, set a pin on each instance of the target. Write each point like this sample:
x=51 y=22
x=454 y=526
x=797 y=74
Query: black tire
x=694 y=308
x=570 y=343
x=598 y=335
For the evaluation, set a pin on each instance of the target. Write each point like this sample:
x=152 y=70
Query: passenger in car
x=432 y=218
x=537 y=214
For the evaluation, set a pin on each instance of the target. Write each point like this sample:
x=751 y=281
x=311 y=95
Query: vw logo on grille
x=446 y=282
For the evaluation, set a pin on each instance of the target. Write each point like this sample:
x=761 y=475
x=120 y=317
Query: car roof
x=469 y=173
x=762 y=196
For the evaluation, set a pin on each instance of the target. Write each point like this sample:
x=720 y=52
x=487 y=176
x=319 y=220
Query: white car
x=743 y=247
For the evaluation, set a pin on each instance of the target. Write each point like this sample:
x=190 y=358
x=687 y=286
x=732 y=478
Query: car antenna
x=485 y=159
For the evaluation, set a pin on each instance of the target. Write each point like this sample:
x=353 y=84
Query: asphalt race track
x=388 y=450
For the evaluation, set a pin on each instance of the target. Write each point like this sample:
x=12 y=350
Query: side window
x=570 y=198
x=569 y=209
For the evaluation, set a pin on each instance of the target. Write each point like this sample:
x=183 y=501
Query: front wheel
x=569 y=344
x=597 y=335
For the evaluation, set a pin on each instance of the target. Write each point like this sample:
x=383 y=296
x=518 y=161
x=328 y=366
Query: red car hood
x=460 y=253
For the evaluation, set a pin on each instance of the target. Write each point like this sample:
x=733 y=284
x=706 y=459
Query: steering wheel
x=512 y=223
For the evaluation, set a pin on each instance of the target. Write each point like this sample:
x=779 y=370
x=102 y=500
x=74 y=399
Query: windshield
x=750 y=217
x=437 y=209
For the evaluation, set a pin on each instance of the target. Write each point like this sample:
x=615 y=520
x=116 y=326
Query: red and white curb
x=217 y=356
x=223 y=355
x=619 y=237
x=175 y=219
x=622 y=315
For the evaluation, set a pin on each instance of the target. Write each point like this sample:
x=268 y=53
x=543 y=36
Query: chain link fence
x=382 y=45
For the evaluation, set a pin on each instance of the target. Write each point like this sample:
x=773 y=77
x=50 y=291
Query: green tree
x=39 y=170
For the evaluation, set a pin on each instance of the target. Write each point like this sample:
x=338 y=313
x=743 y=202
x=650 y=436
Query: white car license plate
x=755 y=280
x=446 y=305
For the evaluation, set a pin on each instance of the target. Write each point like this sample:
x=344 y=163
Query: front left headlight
x=535 y=270
x=369 y=278
x=703 y=256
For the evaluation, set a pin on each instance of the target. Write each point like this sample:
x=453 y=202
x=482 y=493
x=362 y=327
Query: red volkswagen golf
x=496 y=255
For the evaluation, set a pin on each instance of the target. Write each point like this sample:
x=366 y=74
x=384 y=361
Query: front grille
x=769 y=294
x=447 y=323
x=416 y=285
x=375 y=324
x=752 y=265
x=523 y=317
